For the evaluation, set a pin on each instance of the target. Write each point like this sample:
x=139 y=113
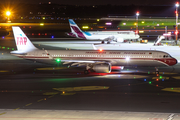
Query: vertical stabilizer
x=74 y=27
x=22 y=41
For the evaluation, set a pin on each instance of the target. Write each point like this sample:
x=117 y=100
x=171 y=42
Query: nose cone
x=173 y=62
x=137 y=36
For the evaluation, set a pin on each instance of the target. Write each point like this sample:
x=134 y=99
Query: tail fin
x=74 y=27
x=22 y=42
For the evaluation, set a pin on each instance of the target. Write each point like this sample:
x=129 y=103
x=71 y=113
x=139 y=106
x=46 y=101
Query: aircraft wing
x=83 y=62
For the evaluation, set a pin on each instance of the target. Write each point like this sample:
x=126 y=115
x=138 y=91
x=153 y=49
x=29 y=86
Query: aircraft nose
x=174 y=61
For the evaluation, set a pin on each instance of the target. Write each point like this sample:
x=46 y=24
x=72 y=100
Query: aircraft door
x=155 y=55
x=70 y=55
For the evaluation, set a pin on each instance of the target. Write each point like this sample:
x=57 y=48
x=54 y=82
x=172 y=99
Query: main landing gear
x=157 y=71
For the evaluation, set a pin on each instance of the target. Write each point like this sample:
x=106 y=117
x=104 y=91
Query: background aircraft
x=97 y=60
x=116 y=36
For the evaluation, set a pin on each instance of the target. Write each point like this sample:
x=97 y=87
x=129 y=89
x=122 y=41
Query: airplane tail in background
x=76 y=31
x=74 y=27
x=23 y=43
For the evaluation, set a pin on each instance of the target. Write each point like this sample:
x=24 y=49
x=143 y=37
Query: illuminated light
x=105 y=28
x=157 y=24
x=85 y=27
x=44 y=18
x=154 y=27
x=177 y=4
x=176 y=32
x=8 y=48
x=63 y=92
x=162 y=23
x=136 y=32
x=141 y=31
x=52 y=36
x=168 y=34
x=45 y=33
x=157 y=79
x=29 y=26
x=3 y=37
x=142 y=22
x=8 y=13
x=144 y=79
x=134 y=77
x=135 y=23
x=98 y=20
x=41 y=24
x=21 y=17
x=8 y=21
x=124 y=23
x=137 y=13
x=91 y=28
x=157 y=85
x=32 y=33
x=3 y=47
x=157 y=75
x=172 y=88
x=127 y=58
x=160 y=77
x=12 y=48
x=150 y=82
x=39 y=33
x=23 y=26
x=118 y=28
x=58 y=60
x=100 y=50
x=108 y=23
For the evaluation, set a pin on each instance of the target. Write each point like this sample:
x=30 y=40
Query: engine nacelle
x=102 y=68
x=120 y=39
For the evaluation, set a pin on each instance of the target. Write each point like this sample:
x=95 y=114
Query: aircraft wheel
x=86 y=72
x=102 y=42
x=108 y=42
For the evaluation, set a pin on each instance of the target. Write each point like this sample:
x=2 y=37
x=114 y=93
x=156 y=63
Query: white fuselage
x=122 y=57
x=101 y=35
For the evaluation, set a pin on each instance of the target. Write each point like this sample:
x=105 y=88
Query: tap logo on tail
x=21 y=40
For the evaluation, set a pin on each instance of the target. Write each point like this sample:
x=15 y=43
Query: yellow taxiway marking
x=172 y=89
x=29 y=104
x=3 y=113
x=50 y=93
x=52 y=68
x=165 y=73
x=16 y=109
x=67 y=93
x=176 y=77
x=40 y=100
x=4 y=71
x=82 y=88
x=161 y=78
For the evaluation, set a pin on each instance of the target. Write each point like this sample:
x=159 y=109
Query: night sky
x=99 y=2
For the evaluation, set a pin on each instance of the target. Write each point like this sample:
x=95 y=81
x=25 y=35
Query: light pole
x=177 y=5
x=137 y=14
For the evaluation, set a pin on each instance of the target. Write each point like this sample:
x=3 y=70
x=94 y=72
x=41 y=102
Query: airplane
x=116 y=36
x=99 y=61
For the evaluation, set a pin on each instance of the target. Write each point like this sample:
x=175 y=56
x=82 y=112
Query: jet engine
x=102 y=68
x=120 y=39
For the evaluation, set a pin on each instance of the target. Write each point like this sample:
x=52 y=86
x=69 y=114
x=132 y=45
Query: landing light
x=100 y=50
x=127 y=58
